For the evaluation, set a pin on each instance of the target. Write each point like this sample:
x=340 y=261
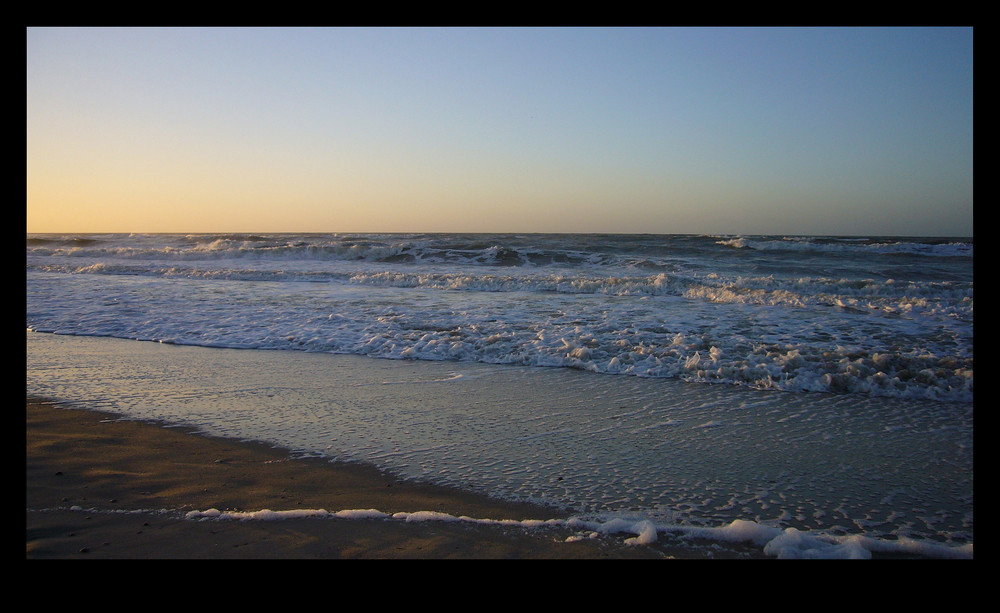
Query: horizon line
x=501 y=232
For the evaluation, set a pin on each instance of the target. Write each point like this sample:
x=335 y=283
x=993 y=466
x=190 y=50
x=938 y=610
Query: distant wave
x=927 y=247
x=649 y=253
x=280 y=247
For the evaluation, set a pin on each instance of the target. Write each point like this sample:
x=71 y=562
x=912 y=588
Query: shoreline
x=99 y=486
x=149 y=435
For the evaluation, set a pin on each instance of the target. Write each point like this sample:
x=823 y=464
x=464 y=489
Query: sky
x=820 y=131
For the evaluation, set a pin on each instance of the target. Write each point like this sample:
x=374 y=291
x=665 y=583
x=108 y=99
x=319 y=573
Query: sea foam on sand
x=788 y=543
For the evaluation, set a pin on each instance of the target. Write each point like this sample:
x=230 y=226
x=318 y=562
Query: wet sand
x=101 y=487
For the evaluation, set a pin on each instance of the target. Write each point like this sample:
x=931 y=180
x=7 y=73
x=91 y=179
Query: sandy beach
x=101 y=487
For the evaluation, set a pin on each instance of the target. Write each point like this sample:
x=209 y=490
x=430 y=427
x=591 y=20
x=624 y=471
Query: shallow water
x=668 y=451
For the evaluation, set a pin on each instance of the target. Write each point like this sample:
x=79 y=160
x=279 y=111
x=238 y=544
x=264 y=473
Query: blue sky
x=690 y=130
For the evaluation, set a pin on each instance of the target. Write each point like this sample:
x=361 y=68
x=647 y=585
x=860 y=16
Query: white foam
x=795 y=338
x=789 y=543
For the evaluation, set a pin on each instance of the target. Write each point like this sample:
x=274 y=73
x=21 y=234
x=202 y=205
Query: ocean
x=811 y=394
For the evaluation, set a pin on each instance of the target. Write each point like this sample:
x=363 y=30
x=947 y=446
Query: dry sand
x=132 y=483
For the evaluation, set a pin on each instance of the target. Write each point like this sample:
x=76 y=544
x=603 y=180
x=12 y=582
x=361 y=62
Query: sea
x=809 y=396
